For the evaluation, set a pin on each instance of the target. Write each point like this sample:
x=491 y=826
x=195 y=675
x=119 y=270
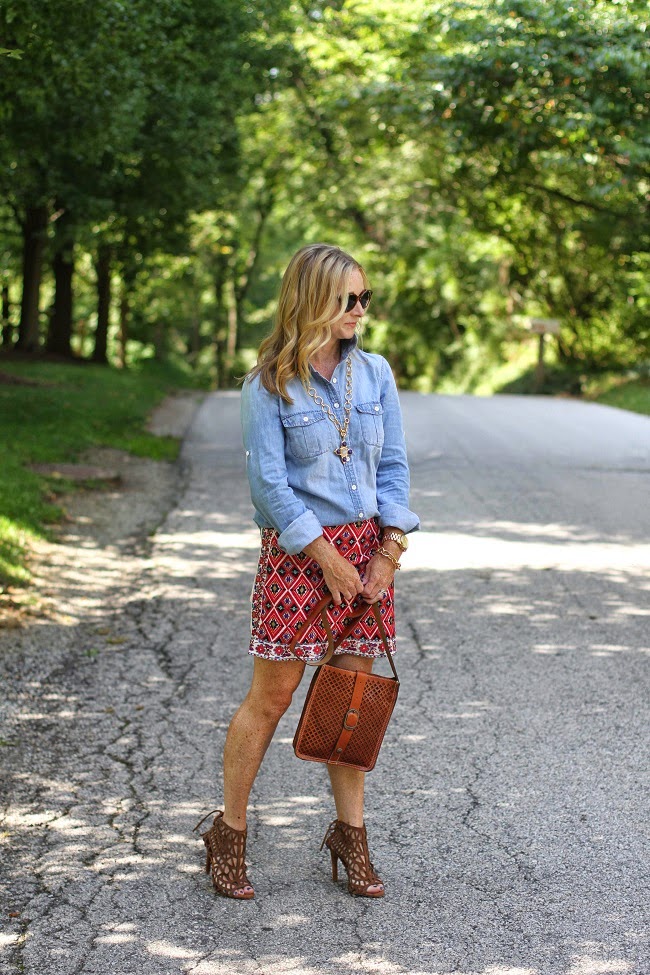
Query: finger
x=374 y=595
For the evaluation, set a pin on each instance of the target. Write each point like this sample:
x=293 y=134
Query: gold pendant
x=343 y=452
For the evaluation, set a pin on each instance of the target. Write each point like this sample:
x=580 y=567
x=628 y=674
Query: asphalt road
x=508 y=813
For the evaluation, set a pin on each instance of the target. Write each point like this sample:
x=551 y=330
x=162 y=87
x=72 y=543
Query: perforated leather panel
x=326 y=706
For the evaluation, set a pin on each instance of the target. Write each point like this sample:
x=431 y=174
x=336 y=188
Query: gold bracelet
x=382 y=551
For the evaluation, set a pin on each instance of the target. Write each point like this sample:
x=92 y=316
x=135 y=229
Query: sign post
x=542 y=327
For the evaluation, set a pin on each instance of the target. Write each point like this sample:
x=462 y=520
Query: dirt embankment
x=104 y=528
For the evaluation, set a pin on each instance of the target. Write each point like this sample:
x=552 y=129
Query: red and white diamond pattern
x=287 y=586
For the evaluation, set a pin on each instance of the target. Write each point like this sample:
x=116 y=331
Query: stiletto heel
x=335 y=866
x=225 y=850
x=349 y=844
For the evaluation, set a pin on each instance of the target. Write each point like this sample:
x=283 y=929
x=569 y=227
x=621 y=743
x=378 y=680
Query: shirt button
x=306 y=419
x=361 y=514
x=248 y=453
x=354 y=487
x=377 y=409
x=337 y=405
x=334 y=379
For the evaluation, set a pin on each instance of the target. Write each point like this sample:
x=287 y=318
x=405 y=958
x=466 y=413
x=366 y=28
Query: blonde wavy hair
x=309 y=303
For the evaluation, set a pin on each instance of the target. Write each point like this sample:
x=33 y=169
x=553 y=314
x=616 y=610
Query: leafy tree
x=123 y=118
x=544 y=108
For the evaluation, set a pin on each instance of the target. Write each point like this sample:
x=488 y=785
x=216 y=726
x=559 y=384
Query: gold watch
x=401 y=540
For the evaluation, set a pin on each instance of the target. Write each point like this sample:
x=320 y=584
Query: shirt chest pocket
x=308 y=434
x=372 y=422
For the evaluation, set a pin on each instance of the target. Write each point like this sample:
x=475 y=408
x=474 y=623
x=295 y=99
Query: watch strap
x=394 y=537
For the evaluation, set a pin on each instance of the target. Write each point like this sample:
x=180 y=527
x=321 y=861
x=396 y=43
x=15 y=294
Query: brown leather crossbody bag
x=346 y=712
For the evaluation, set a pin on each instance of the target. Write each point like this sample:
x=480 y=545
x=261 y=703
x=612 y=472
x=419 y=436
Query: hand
x=377 y=577
x=342 y=579
x=340 y=576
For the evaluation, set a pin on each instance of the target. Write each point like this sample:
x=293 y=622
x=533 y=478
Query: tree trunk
x=194 y=340
x=34 y=229
x=220 y=323
x=82 y=331
x=7 y=327
x=103 y=272
x=233 y=326
x=60 y=329
x=123 y=333
x=242 y=282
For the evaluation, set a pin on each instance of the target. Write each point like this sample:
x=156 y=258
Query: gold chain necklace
x=343 y=452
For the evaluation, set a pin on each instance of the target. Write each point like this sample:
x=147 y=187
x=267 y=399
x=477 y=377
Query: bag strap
x=320 y=609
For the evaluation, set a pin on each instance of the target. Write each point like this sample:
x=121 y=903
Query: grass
x=626 y=394
x=61 y=411
x=624 y=390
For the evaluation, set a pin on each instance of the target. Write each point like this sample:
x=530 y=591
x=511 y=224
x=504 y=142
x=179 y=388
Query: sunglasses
x=363 y=299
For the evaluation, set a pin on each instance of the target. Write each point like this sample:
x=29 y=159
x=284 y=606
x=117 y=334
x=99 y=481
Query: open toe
x=225 y=859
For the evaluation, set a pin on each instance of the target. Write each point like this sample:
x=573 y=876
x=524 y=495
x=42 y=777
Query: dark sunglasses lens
x=364 y=298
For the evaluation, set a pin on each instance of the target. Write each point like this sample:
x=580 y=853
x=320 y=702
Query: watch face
x=404 y=542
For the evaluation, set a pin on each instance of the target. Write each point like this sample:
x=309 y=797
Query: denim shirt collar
x=298 y=483
x=347 y=348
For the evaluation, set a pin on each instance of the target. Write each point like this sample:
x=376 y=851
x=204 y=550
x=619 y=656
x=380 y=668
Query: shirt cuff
x=397 y=516
x=305 y=529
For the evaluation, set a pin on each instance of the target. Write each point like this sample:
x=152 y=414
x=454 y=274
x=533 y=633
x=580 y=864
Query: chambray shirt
x=297 y=482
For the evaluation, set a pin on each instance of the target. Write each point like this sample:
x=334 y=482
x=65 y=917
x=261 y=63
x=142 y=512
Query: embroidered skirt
x=287 y=587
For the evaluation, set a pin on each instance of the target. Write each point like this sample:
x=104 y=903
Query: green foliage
x=487 y=160
x=13 y=542
x=631 y=394
x=72 y=408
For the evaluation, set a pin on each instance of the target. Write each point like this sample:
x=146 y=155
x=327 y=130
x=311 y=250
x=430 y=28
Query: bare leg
x=251 y=730
x=348 y=783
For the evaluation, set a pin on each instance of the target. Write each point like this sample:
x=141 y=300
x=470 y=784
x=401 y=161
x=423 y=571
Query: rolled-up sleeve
x=263 y=435
x=393 y=479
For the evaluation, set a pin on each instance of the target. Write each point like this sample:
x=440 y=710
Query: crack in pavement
x=118 y=714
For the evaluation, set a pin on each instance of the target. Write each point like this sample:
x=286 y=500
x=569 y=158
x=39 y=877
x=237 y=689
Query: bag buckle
x=353 y=717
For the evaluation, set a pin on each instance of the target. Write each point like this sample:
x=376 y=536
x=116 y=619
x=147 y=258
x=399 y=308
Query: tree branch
x=579 y=203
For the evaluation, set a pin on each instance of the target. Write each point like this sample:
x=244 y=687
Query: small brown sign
x=544 y=326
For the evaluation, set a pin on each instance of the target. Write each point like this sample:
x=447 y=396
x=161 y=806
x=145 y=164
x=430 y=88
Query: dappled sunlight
x=552 y=648
x=557 y=532
x=380 y=965
x=587 y=965
x=76 y=581
x=291 y=920
x=276 y=964
x=166 y=949
x=115 y=939
x=540 y=610
x=48 y=817
x=209 y=539
x=212 y=519
x=453 y=551
x=498 y=795
x=290 y=810
x=199 y=558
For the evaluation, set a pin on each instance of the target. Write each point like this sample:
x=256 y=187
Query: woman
x=327 y=468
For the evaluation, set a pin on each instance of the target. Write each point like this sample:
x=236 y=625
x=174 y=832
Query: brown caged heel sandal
x=225 y=849
x=349 y=844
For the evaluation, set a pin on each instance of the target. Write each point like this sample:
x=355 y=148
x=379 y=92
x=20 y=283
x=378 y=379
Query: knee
x=272 y=704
